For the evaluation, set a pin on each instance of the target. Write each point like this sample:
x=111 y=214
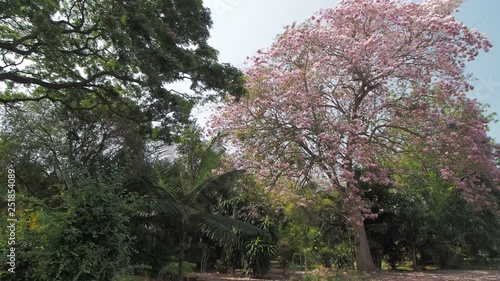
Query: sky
x=241 y=27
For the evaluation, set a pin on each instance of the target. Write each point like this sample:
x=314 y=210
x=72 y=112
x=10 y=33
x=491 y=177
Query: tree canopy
x=352 y=140
x=358 y=86
x=83 y=53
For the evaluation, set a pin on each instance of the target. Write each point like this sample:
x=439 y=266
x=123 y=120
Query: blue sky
x=241 y=27
x=484 y=16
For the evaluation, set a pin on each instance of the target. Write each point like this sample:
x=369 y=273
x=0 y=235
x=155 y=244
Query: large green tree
x=83 y=53
x=73 y=74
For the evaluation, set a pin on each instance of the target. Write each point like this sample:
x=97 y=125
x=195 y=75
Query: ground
x=448 y=275
x=434 y=275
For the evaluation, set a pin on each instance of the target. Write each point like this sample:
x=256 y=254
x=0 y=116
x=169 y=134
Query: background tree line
x=83 y=82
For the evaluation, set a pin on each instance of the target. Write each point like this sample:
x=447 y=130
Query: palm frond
x=168 y=192
x=168 y=175
x=213 y=186
x=221 y=228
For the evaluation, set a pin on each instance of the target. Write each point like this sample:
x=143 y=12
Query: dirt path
x=274 y=274
x=447 y=275
x=436 y=275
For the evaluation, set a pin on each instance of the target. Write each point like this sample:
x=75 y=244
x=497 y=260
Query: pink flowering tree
x=359 y=86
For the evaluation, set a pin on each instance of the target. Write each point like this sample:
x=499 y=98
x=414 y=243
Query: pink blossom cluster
x=358 y=86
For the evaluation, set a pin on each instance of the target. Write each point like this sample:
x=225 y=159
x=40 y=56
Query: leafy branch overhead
x=107 y=51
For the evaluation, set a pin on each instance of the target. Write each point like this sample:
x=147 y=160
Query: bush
x=343 y=256
x=326 y=256
x=257 y=257
x=88 y=237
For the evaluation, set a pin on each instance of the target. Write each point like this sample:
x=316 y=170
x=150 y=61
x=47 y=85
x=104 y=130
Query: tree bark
x=414 y=256
x=182 y=246
x=364 y=261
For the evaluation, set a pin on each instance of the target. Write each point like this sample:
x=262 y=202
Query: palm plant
x=187 y=194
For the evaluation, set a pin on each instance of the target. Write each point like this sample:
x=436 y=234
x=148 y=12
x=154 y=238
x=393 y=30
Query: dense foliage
x=352 y=146
x=117 y=54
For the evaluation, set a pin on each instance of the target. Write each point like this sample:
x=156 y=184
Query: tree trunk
x=414 y=255
x=180 y=269
x=377 y=259
x=364 y=261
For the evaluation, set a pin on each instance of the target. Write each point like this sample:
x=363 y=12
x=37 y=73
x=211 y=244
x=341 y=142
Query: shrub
x=343 y=256
x=88 y=237
x=257 y=257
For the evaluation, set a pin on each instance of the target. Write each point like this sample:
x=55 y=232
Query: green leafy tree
x=111 y=53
